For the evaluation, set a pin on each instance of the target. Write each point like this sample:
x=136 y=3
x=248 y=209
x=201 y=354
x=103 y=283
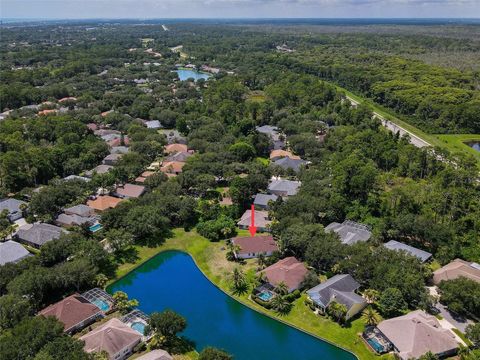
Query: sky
x=148 y=9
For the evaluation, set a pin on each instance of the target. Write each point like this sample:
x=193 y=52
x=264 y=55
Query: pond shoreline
x=237 y=299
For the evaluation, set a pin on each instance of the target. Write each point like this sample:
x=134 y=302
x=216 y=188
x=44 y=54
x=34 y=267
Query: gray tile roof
x=262 y=200
x=180 y=156
x=421 y=254
x=39 y=234
x=288 y=163
x=350 y=232
x=283 y=187
x=72 y=220
x=339 y=288
x=12 y=205
x=12 y=252
x=119 y=150
x=153 y=124
x=274 y=133
x=80 y=210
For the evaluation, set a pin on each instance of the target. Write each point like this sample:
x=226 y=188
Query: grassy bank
x=456 y=143
x=210 y=258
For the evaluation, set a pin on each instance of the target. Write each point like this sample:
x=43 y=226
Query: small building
x=253 y=246
x=111 y=159
x=36 y=235
x=13 y=207
x=75 y=312
x=12 y=252
x=127 y=191
x=287 y=163
x=262 y=221
x=119 y=141
x=350 y=232
x=455 y=269
x=119 y=150
x=80 y=210
x=114 y=337
x=100 y=169
x=172 y=167
x=174 y=148
x=262 y=201
x=144 y=176
x=157 y=354
x=341 y=289
x=422 y=255
x=416 y=334
x=279 y=154
x=153 y=124
x=282 y=187
x=180 y=156
x=274 y=134
x=289 y=271
x=103 y=202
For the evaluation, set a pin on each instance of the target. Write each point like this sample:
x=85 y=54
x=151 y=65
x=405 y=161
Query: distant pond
x=185 y=74
x=171 y=280
x=474 y=144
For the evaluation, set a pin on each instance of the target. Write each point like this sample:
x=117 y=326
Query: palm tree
x=337 y=310
x=101 y=280
x=370 y=316
x=281 y=305
x=261 y=260
x=239 y=281
x=428 y=356
x=371 y=295
x=282 y=289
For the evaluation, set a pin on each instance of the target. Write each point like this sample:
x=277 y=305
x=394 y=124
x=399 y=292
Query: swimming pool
x=138 y=326
x=101 y=304
x=95 y=227
x=266 y=295
x=379 y=348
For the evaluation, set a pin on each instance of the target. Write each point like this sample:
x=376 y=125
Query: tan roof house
x=127 y=191
x=174 y=148
x=456 y=269
x=172 y=167
x=262 y=221
x=289 y=271
x=158 y=354
x=75 y=312
x=278 y=154
x=115 y=337
x=144 y=176
x=103 y=202
x=251 y=247
x=417 y=333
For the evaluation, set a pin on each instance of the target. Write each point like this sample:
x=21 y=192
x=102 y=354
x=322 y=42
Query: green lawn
x=210 y=258
x=456 y=143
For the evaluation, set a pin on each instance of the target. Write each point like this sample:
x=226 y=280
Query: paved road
x=414 y=139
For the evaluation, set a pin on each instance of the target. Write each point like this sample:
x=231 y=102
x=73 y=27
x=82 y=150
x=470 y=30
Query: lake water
x=474 y=144
x=172 y=280
x=185 y=74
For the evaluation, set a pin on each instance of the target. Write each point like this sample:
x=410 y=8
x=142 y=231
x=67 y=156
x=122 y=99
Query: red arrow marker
x=252 y=228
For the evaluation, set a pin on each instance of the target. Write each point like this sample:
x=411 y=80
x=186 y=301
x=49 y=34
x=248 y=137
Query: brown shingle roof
x=130 y=190
x=111 y=337
x=456 y=269
x=289 y=271
x=103 y=202
x=174 y=148
x=172 y=167
x=256 y=244
x=71 y=311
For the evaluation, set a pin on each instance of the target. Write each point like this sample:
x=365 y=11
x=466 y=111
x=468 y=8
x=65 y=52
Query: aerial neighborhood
x=222 y=199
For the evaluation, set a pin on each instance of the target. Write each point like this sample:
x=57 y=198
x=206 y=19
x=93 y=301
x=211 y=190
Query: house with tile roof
x=416 y=334
x=289 y=271
x=13 y=208
x=287 y=163
x=73 y=220
x=262 y=201
x=38 y=234
x=172 y=167
x=114 y=337
x=180 y=156
x=350 y=232
x=128 y=191
x=253 y=246
x=157 y=354
x=341 y=289
x=100 y=169
x=262 y=222
x=103 y=202
x=274 y=134
x=422 y=255
x=12 y=252
x=111 y=159
x=455 y=269
x=144 y=176
x=279 y=154
x=174 y=148
x=74 y=312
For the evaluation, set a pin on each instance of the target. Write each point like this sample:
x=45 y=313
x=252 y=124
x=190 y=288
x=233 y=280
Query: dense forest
x=357 y=169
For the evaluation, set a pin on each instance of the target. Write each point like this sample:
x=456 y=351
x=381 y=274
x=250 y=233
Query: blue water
x=265 y=295
x=172 y=280
x=187 y=74
x=138 y=326
x=102 y=305
x=474 y=145
x=95 y=227
x=376 y=345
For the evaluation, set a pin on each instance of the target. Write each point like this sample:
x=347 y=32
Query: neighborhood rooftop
x=282 y=187
x=38 y=234
x=420 y=254
x=12 y=252
x=456 y=269
x=289 y=271
x=350 y=232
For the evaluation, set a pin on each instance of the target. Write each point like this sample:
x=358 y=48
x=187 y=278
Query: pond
x=185 y=74
x=171 y=280
x=474 y=144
